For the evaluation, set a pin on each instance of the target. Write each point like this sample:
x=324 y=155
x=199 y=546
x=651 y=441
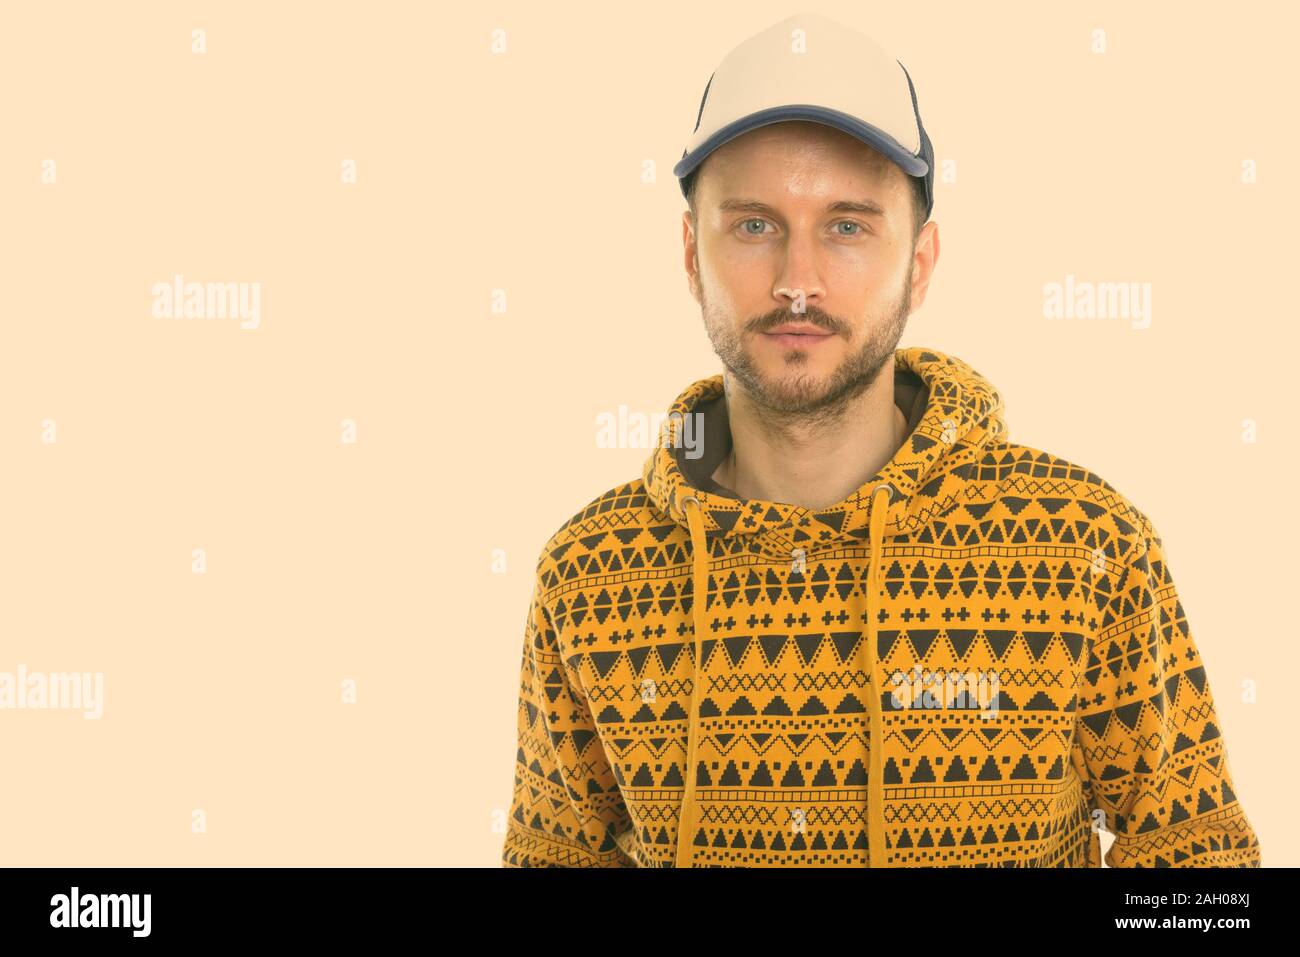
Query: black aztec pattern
x=976 y=660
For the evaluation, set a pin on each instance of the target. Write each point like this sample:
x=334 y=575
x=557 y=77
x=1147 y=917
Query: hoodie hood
x=952 y=413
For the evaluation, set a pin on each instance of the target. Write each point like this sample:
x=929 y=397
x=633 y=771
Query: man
x=863 y=628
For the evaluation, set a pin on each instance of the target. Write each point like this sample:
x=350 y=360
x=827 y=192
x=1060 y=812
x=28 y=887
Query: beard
x=795 y=394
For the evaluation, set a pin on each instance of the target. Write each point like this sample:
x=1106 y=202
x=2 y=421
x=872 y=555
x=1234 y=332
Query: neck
x=812 y=461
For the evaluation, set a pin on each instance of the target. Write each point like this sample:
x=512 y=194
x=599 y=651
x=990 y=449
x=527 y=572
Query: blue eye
x=747 y=227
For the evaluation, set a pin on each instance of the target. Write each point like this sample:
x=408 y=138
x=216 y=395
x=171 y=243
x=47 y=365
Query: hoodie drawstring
x=875 y=786
x=700 y=552
x=875 y=705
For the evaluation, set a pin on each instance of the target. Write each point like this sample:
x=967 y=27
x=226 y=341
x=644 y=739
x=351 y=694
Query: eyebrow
x=866 y=208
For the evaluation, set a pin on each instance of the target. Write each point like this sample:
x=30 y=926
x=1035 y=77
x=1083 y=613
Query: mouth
x=798 y=335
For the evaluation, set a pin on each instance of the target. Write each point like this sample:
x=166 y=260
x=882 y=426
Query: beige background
x=523 y=171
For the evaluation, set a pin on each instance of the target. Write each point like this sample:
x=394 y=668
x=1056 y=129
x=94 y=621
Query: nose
x=798 y=281
x=796 y=300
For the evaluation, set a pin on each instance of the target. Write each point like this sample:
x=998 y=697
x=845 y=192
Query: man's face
x=806 y=229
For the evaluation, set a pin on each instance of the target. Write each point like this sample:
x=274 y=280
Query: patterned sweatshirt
x=977 y=659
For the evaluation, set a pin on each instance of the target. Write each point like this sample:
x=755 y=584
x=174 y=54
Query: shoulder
x=598 y=538
x=1085 y=505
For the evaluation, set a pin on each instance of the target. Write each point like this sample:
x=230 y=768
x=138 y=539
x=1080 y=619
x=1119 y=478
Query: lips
x=798 y=329
x=798 y=335
x=799 y=340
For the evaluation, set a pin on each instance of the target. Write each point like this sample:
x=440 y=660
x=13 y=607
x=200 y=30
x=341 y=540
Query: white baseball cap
x=808 y=67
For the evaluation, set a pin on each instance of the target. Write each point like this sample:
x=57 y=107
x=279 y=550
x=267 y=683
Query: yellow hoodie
x=977 y=659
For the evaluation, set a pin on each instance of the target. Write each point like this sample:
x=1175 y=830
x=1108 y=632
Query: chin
x=804 y=377
x=795 y=388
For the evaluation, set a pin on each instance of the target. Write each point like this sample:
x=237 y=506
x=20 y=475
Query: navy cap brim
x=910 y=163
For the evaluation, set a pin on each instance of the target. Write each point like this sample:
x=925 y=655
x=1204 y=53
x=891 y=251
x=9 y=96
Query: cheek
x=727 y=285
x=873 y=274
x=739 y=265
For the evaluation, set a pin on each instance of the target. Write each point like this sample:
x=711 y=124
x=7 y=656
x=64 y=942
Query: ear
x=691 y=255
x=925 y=258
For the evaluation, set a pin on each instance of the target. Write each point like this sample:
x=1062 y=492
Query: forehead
x=800 y=156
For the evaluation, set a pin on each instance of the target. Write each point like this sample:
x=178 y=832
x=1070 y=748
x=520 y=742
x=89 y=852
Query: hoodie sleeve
x=1148 y=744
x=567 y=807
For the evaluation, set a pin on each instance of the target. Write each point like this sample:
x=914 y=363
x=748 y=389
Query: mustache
x=811 y=315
